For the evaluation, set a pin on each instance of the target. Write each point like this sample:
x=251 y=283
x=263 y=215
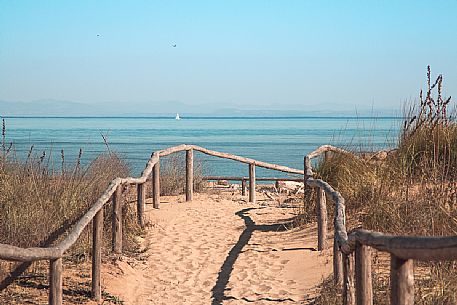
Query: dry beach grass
x=412 y=192
x=39 y=202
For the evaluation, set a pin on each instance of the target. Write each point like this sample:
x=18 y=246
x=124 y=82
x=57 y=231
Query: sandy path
x=219 y=251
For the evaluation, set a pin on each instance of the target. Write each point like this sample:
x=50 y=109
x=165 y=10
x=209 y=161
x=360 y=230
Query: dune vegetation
x=40 y=201
x=413 y=191
x=36 y=191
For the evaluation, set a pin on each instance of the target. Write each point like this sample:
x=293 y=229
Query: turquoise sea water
x=282 y=141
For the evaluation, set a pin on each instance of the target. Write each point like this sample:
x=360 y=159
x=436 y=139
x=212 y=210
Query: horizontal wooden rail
x=237 y=178
x=174 y=149
x=248 y=160
x=318 y=152
x=326 y=148
x=12 y=253
x=408 y=247
x=218 y=154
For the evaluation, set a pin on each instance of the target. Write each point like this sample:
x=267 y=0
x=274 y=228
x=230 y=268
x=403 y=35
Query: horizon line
x=196 y=117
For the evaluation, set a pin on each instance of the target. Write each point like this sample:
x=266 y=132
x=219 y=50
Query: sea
x=278 y=140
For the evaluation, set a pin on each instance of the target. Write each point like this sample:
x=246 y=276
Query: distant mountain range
x=50 y=107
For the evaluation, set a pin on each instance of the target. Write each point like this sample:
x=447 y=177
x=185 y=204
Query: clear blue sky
x=237 y=53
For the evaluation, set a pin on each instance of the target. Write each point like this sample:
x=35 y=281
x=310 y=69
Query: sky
x=290 y=55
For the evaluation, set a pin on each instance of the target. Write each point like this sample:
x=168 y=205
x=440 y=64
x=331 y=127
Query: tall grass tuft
x=428 y=141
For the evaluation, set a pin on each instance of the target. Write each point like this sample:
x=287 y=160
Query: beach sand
x=218 y=249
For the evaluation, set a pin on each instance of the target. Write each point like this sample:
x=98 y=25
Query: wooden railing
x=113 y=194
x=354 y=276
x=352 y=252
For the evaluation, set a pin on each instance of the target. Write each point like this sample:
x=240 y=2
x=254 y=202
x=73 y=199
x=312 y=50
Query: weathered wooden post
x=306 y=175
x=251 y=183
x=401 y=281
x=55 y=281
x=321 y=207
x=243 y=187
x=337 y=264
x=140 y=202
x=156 y=185
x=326 y=156
x=117 y=220
x=97 y=240
x=348 y=284
x=363 y=280
x=189 y=174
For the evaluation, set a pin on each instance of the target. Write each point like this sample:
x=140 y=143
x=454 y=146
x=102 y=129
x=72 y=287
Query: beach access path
x=219 y=249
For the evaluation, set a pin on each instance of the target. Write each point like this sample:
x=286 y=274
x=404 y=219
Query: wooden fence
x=113 y=194
x=352 y=275
x=352 y=252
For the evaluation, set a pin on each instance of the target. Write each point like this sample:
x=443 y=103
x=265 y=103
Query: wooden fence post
x=348 y=284
x=243 y=187
x=156 y=185
x=401 y=281
x=97 y=240
x=117 y=220
x=251 y=183
x=55 y=282
x=337 y=264
x=321 y=207
x=140 y=202
x=363 y=280
x=189 y=174
x=305 y=177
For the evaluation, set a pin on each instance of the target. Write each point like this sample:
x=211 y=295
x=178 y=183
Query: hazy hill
x=50 y=107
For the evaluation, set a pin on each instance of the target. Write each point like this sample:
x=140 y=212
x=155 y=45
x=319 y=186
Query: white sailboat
x=177 y=116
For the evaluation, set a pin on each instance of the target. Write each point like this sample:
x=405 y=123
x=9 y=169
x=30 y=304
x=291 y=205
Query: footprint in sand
x=192 y=265
x=264 y=288
x=283 y=292
x=242 y=276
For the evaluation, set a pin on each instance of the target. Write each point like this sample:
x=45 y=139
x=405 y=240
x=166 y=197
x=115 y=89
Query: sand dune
x=215 y=250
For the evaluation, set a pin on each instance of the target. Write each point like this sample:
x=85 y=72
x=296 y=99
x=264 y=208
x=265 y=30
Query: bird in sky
x=174 y=46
